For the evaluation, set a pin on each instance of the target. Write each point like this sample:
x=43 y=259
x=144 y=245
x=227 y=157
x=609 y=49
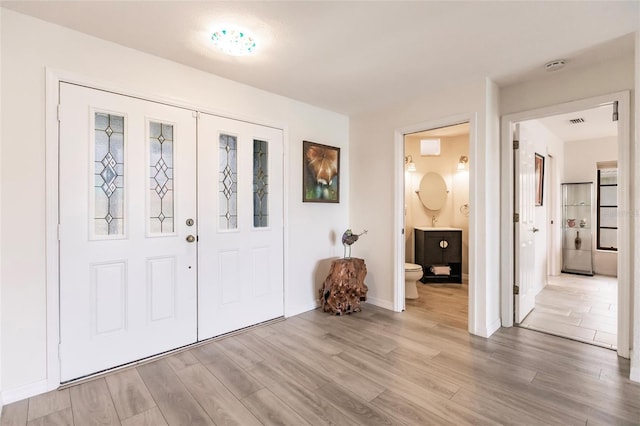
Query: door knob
x=535 y=229
x=190 y=238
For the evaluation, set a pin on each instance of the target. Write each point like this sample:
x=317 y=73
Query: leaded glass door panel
x=127 y=187
x=240 y=248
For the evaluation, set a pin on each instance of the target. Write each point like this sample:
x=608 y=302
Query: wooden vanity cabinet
x=439 y=247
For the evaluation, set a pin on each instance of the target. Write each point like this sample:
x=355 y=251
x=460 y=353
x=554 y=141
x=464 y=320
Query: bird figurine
x=349 y=238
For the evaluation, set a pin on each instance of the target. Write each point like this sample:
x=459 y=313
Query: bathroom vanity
x=439 y=251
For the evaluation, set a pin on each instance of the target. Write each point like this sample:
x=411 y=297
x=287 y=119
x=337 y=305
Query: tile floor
x=578 y=307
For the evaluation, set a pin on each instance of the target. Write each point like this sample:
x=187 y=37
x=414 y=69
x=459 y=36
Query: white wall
x=451 y=148
x=580 y=165
x=1 y=102
x=373 y=185
x=30 y=45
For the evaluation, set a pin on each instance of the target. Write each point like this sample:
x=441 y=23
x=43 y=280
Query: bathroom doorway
x=436 y=223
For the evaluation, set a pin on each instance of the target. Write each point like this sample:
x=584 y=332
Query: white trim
x=399 y=301
x=26 y=391
x=385 y=304
x=507 y=194
x=53 y=79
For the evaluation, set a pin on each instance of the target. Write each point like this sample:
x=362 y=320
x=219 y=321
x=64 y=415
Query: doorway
x=170 y=228
x=436 y=223
x=574 y=292
x=623 y=264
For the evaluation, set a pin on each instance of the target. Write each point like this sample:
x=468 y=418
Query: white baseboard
x=386 y=304
x=487 y=331
x=292 y=311
x=26 y=391
x=634 y=375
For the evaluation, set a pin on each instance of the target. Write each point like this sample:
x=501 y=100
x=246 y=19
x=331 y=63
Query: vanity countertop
x=437 y=228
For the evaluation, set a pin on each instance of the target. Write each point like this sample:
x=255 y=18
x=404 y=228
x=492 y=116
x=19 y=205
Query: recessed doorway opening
x=436 y=223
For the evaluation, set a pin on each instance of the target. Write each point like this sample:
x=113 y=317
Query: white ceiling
x=353 y=57
x=598 y=123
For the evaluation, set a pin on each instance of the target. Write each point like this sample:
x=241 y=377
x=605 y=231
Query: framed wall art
x=539 y=169
x=320 y=173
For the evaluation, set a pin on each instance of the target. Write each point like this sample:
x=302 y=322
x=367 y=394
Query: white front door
x=127 y=189
x=240 y=216
x=525 y=250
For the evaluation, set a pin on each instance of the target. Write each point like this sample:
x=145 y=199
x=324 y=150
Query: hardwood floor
x=578 y=307
x=369 y=368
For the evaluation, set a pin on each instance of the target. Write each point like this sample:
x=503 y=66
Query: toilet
x=412 y=273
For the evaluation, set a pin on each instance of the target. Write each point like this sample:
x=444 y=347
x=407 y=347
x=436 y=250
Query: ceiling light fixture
x=234 y=41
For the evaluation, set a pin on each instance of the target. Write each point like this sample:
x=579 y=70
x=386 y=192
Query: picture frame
x=320 y=173
x=539 y=171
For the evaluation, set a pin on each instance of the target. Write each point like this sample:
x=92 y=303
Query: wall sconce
x=462 y=163
x=411 y=165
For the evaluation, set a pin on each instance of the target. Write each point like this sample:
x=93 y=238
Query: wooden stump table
x=344 y=287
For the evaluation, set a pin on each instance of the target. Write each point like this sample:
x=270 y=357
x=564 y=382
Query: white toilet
x=412 y=273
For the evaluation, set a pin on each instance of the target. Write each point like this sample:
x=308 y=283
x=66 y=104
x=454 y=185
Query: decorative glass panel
x=161 y=178
x=109 y=174
x=260 y=184
x=228 y=182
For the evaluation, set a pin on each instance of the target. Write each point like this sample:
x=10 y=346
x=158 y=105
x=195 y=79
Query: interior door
x=240 y=214
x=525 y=249
x=127 y=190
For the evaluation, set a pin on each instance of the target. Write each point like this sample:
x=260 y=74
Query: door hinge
x=615 y=111
x=58 y=111
x=516 y=217
x=196 y=114
x=58 y=232
x=59 y=350
x=516 y=144
x=516 y=289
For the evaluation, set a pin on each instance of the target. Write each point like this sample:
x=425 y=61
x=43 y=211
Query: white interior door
x=127 y=188
x=525 y=250
x=240 y=248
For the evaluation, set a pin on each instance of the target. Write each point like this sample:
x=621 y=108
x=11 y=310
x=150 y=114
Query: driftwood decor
x=344 y=287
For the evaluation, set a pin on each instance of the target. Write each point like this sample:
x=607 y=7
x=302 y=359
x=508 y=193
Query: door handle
x=190 y=238
x=534 y=229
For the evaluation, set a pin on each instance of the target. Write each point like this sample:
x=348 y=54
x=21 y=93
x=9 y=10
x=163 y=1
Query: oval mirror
x=433 y=191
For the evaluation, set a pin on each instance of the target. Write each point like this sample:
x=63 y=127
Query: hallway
x=578 y=307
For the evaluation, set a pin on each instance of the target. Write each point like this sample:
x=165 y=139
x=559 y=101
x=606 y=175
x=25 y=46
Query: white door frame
x=53 y=78
x=399 y=202
x=624 y=242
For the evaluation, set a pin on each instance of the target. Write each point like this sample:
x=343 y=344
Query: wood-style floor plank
x=152 y=417
x=219 y=403
x=172 y=398
x=129 y=393
x=270 y=410
x=373 y=367
x=62 y=417
x=92 y=404
x=47 y=403
x=15 y=414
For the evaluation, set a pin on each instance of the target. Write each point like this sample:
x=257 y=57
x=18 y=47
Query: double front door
x=170 y=228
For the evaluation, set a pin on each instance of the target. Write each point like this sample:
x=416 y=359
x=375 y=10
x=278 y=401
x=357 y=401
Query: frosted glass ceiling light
x=234 y=41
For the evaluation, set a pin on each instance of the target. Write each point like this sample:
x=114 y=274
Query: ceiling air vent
x=576 y=120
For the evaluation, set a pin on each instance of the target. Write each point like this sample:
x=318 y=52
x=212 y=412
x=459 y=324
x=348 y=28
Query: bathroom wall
x=580 y=164
x=451 y=215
